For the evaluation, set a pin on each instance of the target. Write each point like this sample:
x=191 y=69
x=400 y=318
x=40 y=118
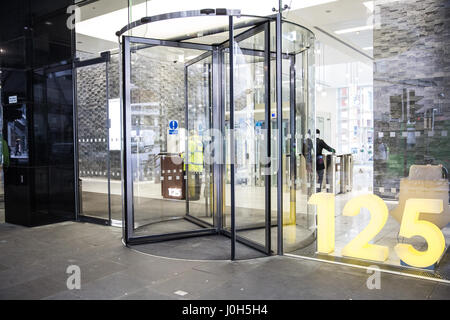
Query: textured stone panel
x=411 y=88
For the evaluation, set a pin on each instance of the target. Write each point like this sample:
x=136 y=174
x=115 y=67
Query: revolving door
x=213 y=144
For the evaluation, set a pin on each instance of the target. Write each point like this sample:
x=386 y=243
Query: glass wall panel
x=93 y=135
x=99 y=86
x=386 y=115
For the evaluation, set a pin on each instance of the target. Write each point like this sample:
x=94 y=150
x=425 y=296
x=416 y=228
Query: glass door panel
x=199 y=114
x=251 y=134
x=298 y=150
x=115 y=139
x=162 y=146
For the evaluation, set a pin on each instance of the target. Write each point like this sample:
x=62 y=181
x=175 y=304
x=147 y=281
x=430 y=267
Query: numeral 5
x=411 y=226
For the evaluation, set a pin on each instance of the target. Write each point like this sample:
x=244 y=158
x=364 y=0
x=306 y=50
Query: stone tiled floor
x=33 y=265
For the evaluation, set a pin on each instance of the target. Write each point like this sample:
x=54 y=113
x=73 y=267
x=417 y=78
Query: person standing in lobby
x=320 y=163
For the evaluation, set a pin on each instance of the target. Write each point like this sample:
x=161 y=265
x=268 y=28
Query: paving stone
x=117 y=272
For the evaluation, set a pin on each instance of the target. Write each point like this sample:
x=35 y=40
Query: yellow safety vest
x=195 y=158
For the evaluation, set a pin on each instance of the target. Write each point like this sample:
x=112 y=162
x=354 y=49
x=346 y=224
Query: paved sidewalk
x=33 y=265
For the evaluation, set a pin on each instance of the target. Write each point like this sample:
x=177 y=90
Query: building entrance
x=202 y=153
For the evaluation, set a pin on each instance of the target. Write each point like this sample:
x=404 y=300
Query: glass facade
x=387 y=198
x=382 y=115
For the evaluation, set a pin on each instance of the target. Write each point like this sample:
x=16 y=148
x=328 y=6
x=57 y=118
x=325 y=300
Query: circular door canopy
x=211 y=27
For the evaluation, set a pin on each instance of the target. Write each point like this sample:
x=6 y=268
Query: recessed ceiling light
x=328 y=11
x=355 y=29
x=307 y=3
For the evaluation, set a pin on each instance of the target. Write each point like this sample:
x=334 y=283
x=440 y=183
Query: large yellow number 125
x=360 y=247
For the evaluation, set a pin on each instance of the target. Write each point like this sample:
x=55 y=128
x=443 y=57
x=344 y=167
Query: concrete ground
x=33 y=265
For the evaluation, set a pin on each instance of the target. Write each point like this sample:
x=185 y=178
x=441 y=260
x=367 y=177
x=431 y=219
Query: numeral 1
x=325 y=203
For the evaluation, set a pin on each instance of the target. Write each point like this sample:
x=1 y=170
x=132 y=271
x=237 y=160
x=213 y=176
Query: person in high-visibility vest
x=195 y=162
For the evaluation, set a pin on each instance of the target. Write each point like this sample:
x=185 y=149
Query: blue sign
x=173 y=127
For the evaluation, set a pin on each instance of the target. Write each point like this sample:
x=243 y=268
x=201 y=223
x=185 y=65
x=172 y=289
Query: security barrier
x=338 y=173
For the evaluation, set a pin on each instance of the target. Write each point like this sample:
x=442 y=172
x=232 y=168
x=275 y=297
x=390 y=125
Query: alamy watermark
x=75 y=16
x=374 y=281
x=74 y=280
x=251 y=148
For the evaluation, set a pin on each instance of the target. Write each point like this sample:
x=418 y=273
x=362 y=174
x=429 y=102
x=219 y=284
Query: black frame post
x=279 y=133
x=268 y=117
x=293 y=140
x=232 y=144
x=76 y=165
x=108 y=126
x=217 y=121
x=126 y=148
x=186 y=137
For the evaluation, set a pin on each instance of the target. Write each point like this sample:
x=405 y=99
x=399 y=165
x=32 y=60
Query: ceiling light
x=367 y=48
x=355 y=29
x=369 y=5
x=305 y=3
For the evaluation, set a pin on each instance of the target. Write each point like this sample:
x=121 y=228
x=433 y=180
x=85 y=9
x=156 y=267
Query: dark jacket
x=320 y=161
x=307 y=150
